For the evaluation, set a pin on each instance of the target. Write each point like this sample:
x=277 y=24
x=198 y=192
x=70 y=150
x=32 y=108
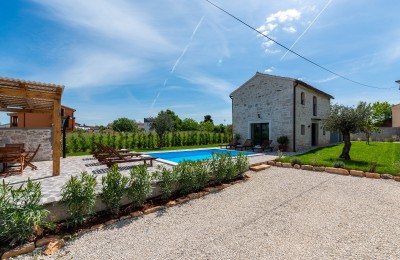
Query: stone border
x=333 y=170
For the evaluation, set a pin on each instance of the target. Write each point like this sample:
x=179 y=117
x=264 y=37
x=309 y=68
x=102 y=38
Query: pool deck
x=73 y=166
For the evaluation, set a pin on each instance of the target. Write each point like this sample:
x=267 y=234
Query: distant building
x=40 y=120
x=396 y=115
x=140 y=126
x=147 y=124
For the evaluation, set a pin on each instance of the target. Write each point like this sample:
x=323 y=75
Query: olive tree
x=347 y=120
x=162 y=124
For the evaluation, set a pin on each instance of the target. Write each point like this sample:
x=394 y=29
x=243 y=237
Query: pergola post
x=56 y=137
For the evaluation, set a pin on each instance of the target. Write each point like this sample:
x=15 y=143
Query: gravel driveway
x=277 y=214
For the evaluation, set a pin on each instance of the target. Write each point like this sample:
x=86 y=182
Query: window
x=14 y=120
x=302 y=98
x=314 y=100
x=303 y=129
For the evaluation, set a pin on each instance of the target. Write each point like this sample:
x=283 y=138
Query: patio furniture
x=13 y=160
x=231 y=145
x=30 y=155
x=266 y=145
x=109 y=156
x=245 y=145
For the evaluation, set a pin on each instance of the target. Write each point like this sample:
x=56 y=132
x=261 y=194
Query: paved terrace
x=72 y=166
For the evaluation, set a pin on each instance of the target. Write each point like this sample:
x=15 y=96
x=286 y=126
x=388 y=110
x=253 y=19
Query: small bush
x=113 y=189
x=359 y=139
x=218 y=166
x=167 y=178
x=202 y=173
x=139 y=186
x=372 y=166
x=296 y=161
x=338 y=164
x=187 y=179
x=20 y=212
x=79 y=194
x=242 y=164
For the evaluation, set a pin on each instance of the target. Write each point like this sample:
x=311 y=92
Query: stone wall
x=305 y=117
x=269 y=99
x=31 y=137
x=385 y=133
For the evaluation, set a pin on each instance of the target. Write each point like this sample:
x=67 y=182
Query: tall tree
x=347 y=120
x=207 y=126
x=162 y=124
x=381 y=111
x=207 y=118
x=189 y=124
x=124 y=124
x=176 y=119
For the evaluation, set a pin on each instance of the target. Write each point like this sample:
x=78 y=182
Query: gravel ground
x=277 y=214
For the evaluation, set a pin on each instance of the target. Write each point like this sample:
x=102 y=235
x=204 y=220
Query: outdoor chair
x=29 y=156
x=231 y=145
x=266 y=145
x=245 y=145
x=110 y=156
x=12 y=159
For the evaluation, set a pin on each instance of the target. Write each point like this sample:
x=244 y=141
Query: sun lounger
x=245 y=145
x=231 y=145
x=266 y=145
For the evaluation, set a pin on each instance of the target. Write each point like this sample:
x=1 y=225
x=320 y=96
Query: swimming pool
x=193 y=155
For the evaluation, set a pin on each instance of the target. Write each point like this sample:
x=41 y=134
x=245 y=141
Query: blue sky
x=132 y=59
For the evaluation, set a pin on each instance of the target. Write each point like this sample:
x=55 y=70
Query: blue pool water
x=193 y=155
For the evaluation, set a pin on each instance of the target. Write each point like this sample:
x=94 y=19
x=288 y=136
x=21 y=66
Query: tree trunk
x=347 y=145
x=160 y=138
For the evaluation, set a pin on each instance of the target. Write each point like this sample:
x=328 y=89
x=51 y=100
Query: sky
x=131 y=58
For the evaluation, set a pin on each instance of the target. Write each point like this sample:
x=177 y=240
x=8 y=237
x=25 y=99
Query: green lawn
x=385 y=155
x=157 y=149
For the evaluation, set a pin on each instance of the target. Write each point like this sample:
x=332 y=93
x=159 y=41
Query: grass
x=385 y=155
x=155 y=149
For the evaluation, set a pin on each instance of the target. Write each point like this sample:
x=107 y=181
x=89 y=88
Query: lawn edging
x=333 y=170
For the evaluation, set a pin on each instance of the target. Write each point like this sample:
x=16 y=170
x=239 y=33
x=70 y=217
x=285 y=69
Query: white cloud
x=290 y=29
x=284 y=16
x=269 y=70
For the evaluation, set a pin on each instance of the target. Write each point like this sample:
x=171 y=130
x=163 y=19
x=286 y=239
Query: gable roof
x=259 y=74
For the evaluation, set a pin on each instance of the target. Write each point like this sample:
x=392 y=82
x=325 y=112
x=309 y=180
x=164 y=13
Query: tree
x=219 y=128
x=189 y=124
x=124 y=124
x=162 y=124
x=207 y=118
x=207 y=126
x=346 y=120
x=175 y=118
x=381 y=112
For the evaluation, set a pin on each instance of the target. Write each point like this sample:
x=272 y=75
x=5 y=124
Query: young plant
x=338 y=164
x=242 y=164
x=372 y=166
x=202 y=173
x=79 y=195
x=20 y=212
x=296 y=161
x=113 y=189
x=187 y=179
x=139 y=186
x=167 y=178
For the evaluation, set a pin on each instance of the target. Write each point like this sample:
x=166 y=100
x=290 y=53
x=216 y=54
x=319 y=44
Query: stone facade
x=270 y=99
x=31 y=137
x=396 y=115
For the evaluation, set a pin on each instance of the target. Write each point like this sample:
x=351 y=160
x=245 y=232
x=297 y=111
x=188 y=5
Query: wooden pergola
x=35 y=97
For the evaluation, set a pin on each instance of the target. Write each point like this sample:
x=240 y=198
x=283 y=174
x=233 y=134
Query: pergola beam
x=16 y=110
x=28 y=93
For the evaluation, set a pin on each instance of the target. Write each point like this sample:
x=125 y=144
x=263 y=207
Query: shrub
x=79 y=194
x=218 y=166
x=20 y=212
x=139 y=186
x=242 y=163
x=187 y=179
x=113 y=189
x=167 y=178
x=338 y=164
x=202 y=173
x=372 y=166
x=283 y=140
x=296 y=161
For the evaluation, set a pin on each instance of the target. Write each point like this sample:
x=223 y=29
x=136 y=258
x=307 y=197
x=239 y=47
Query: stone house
x=267 y=107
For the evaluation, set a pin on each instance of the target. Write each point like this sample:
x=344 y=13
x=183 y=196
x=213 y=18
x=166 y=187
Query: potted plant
x=283 y=142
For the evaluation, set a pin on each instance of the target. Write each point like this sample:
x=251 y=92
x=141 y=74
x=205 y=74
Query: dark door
x=314 y=134
x=259 y=133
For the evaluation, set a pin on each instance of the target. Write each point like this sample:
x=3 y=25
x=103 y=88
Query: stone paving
x=72 y=166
